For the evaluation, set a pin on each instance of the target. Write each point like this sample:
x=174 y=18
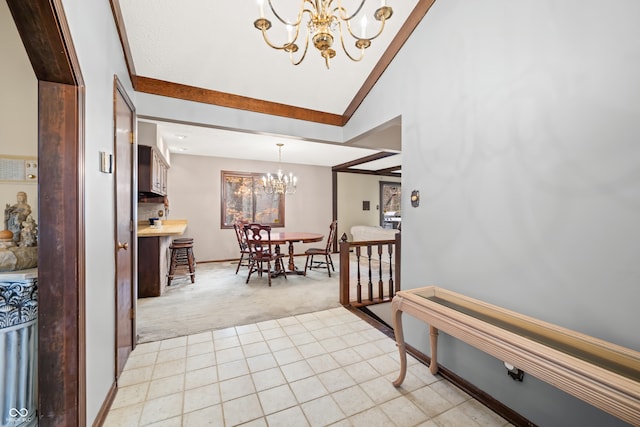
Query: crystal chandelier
x=323 y=19
x=280 y=183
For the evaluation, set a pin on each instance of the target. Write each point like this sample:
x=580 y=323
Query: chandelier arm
x=343 y=11
x=344 y=48
x=266 y=40
x=306 y=47
x=355 y=36
x=300 y=14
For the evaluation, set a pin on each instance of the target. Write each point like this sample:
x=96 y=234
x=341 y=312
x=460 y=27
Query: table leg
x=397 y=327
x=433 y=340
x=292 y=266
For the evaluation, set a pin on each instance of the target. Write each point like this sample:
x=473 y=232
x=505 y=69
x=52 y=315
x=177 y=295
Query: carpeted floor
x=219 y=298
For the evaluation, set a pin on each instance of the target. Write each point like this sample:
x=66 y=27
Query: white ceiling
x=214 y=45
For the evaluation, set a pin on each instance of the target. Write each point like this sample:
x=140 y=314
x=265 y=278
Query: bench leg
x=433 y=340
x=397 y=328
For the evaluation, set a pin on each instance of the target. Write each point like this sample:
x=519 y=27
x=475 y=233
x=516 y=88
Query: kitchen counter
x=170 y=227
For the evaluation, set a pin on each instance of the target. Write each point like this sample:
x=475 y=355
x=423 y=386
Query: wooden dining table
x=290 y=237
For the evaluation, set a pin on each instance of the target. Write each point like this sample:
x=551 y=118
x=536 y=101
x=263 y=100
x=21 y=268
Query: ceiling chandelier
x=324 y=19
x=280 y=183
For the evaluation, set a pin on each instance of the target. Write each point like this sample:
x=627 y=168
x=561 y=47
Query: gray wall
x=520 y=128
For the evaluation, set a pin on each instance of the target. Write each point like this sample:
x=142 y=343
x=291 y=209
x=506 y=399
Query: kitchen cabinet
x=153 y=265
x=152 y=171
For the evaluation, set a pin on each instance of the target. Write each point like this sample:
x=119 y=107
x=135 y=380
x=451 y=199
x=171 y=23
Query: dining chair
x=262 y=251
x=326 y=252
x=242 y=243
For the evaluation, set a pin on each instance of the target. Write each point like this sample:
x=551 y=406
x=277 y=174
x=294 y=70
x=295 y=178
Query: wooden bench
x=601 y=373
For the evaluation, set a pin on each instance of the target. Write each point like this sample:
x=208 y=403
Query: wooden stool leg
x=192 y=270
x=172 y=266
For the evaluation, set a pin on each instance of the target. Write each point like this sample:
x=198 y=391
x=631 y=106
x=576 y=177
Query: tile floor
x=328 y=368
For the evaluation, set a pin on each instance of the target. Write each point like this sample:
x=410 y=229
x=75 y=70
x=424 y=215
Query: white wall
x=194 y=195
x=353 y=189
x=100 y=55
x=521 y=124
x=18 y=109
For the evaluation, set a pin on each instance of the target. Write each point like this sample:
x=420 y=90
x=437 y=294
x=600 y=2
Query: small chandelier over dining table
x=324 y=19
x=280 y=183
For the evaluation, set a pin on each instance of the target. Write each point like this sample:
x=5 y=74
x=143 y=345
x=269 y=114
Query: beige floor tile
x=280 y=343
x=161 y=408
x=303 y=338
x=173 y=343
x=373 y=417
x=164 y=386
x=201 y=337
x=367 y=351
x=226 y=342
x=130 y=395
x=276 y=399
x=250 y=338
x=481 y=414
x=294 y=329
x=380 y=389
x=171 y=354
x=201 y=397
x=268 y=324
x=296 y=370
x=334 y=344
x=167 y=369
x=147 y=347
x=403 y=412
x=410 y=383
x=288 y=418
x=429 y=401
x=135 y=376
x=171 y=422
x=241 y=410
x=353 y=400
x=260 y=422
x=286 y=321
x=387 y=345
x=200 y=361
x=336 y=379
x=246 y=329
x=224 y=333
x=346 y=356
x=255 y=349
x=322 y=411
x=308 y=389
x=354 y=338
x=141 y=360
x=311 y=349
x=127 y=416
x=209 y=416
x=323 y=333
x=205 y=347
x=385 y=364
x=261 y=362
x=200 y=377
x=236 y=387
x=232 y=369
x=361 y=371
x=314 y=325
x=229 y=355
x=273 y=333
x=322 y=363
x=288 y=355
x=422 y=372
x=454 y=418
x=269 y=378
x=450 y=392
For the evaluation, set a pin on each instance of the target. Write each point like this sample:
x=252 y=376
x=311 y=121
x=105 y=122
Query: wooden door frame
x=118 y=89
x=61 y=254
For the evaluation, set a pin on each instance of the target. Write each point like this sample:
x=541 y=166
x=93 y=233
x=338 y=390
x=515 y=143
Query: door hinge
x=132 y=313
x=131 y=137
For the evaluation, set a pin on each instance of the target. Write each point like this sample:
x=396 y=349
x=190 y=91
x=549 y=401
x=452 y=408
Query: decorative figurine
x=15 y=215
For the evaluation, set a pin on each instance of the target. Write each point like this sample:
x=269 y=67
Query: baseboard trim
x=487 y=400
x=106 y=406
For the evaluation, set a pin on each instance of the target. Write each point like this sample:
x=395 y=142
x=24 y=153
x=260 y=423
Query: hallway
x=324 y=368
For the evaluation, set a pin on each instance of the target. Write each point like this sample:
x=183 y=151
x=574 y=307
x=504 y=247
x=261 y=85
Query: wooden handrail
x=371 y=249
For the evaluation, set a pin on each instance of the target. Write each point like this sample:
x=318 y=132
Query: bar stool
x=182 y=258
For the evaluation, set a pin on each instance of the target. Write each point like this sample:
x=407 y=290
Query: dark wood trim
x=207 y=96
x=334 y=205
x=106 y=406
x=61 y=324
x=122 y=35
x=410 y=24
x=344 y=167
x=61 y=256
x=47 y=40
x=496 y=406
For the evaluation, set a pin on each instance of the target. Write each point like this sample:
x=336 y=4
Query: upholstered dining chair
x=242 y=243
x=262 y=252
x=325 y=252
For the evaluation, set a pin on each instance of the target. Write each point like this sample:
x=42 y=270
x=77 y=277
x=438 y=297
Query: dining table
x=290 y=237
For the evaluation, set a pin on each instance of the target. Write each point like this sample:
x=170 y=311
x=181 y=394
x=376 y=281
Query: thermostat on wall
x=18 y=169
